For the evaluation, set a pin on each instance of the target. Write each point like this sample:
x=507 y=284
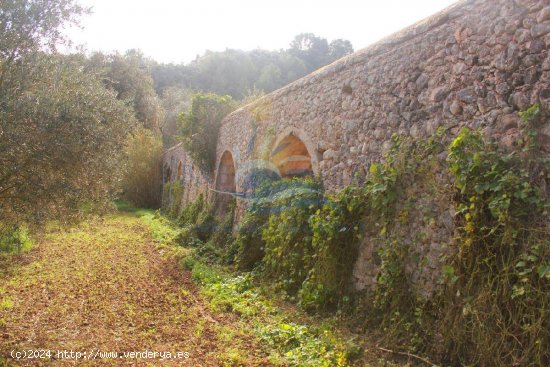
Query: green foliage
x=316 y=51
x=63 y=132
x=174 y=101
x=249 y=242
x=172 y=196
x=340 y=225
x=302 y=347
x=129 y=77
x=531 y=119
x=307 y=242
x=287 y=235
x=191 y=212
x=63 y=137
x=494 y=283
x=500 y=287
x=200 y=125
x=162 y=229
x=494 y=287
x=287 y=343
x=30 y=26
x=337 y=229
x=392 y=281
x=222 y=237
x=290 y=200
x=142 y=178
x=494 y=187
x=193 y=219
x=15 y=239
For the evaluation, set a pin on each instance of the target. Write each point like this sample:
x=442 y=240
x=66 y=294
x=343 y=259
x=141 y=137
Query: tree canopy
x=235 y=72
x=199 y=127
x=129 y=76
x=61 y=130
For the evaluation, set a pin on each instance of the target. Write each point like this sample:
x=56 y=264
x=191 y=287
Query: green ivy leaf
x=544 y=271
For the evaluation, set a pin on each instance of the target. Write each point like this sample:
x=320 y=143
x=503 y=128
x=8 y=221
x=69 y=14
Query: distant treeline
x=159 y=93
x=237 y=72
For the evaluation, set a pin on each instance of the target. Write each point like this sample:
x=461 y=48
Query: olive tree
x=62 y=134
x=61 y=131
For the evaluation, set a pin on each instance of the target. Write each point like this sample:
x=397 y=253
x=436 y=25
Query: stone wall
x=179 y=167
x=474 y=64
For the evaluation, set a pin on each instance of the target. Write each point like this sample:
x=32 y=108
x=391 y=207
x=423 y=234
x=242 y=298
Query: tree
x=31 y=25
x=174 y=101
x=230 y=72
x=339 y=48
x=129 y=75
x=62 y=134
x=270 y=77
x=171 y=75
x=61 y=130
x=310 y=48
x=234 y=72
x=200 y=126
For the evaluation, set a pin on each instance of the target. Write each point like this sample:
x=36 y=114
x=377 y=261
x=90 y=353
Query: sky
x=179 y=30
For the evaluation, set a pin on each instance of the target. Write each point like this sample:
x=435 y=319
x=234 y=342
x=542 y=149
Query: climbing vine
x=288 y=251
x=499 y=294
x=493 y=285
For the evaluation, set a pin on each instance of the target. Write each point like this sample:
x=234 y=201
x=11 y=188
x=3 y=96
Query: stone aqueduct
x=475 y=64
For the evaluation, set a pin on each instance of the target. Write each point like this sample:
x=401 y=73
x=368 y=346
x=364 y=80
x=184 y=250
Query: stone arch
x=167 y=174
x=225 y=178
x=294 y=154
x=180 y=171
x=225 y=183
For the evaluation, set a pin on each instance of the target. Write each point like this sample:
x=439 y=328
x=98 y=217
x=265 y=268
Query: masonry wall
x=191 y=177
x=475 y=64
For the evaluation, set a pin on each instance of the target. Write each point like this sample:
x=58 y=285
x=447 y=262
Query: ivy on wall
x=493 y=292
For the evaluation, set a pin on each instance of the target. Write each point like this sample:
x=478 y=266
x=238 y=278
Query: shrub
x=172 y=198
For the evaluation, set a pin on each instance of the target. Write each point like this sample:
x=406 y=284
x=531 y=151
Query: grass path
x=106 y=285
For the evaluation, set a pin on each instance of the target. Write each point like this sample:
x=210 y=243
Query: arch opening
x=180 y=171
x=167 y=174
x=225 y=182
x=292 y=158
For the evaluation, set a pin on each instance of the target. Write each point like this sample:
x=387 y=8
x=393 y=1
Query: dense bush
x=14 y=239
x=248 y=242
x=337 y=229
x=63 y=138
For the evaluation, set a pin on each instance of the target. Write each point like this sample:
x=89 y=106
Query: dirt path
x=106 y=287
